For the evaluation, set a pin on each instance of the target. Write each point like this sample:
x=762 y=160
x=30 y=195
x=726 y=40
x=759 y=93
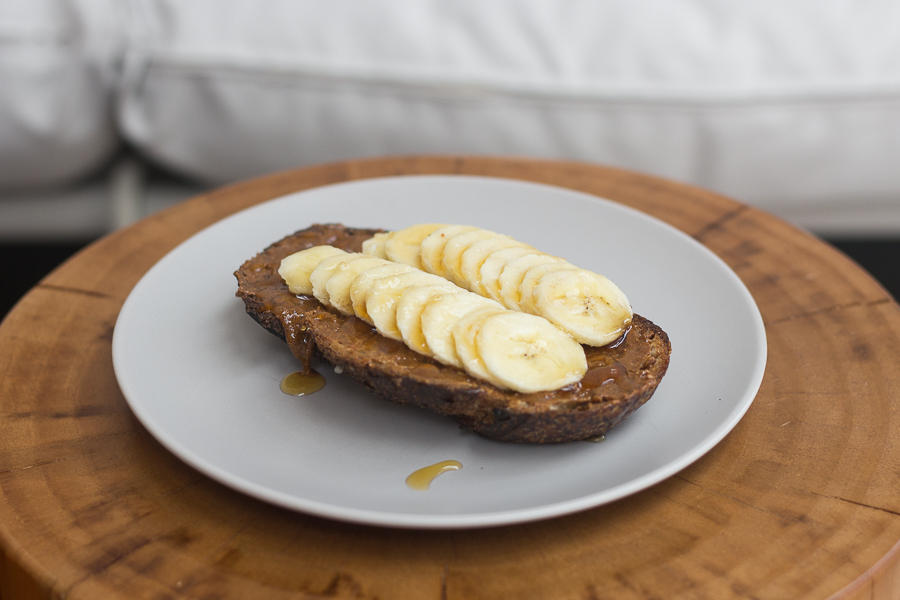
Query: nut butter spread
x=620 y=377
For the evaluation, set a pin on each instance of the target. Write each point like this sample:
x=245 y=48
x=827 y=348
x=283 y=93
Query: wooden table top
x=800 y=500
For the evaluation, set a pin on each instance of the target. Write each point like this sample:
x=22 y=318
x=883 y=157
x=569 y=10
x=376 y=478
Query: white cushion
x=778 y=103
x=792 y=106
x=57 y=77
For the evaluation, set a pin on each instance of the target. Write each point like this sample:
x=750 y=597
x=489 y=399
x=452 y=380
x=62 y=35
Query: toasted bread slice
x=620 y=378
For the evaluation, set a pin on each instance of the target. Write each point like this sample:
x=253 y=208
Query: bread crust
x=621 y=377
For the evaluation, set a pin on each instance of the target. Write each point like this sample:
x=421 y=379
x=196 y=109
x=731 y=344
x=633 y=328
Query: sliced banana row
x=435 y=317
x=587 y=305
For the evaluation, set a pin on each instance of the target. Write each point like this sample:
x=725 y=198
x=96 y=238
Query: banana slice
x=532 y=278
x=528 y=354
x=493 y=266
x=296 y=268
x=454 y=249
x=587 y=305
x=338 y=285
x=374 y=246
x=324 y=270
x=403 y=246
x=475 y=256
x=384 y=295
x=412 y=302
x=432 y=247
x=514 y=272
x=364 y=281
x=441 y=315
x=464 y=333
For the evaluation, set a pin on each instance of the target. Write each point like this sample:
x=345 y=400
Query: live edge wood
x=801 y=500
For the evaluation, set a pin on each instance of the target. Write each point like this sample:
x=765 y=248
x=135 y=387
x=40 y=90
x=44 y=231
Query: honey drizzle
x=421 y=479
x=299 y=383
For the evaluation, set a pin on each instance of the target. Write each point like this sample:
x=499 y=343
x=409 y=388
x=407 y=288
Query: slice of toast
x=620 y=378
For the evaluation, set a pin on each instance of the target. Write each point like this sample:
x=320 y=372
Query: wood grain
x=800 y=501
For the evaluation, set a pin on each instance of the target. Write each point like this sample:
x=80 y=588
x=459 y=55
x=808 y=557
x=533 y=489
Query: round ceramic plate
x=203 y=377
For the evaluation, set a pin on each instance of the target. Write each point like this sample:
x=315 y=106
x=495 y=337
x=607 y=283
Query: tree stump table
x=800 y=501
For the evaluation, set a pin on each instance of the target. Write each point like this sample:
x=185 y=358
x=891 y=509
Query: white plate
x=203 y=377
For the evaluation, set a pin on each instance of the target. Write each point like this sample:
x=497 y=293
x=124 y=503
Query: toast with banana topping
x=512 y=343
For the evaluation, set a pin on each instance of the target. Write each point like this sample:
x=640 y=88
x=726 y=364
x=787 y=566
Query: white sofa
x=790 y=106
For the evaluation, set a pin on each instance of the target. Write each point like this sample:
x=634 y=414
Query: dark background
x=23 y=265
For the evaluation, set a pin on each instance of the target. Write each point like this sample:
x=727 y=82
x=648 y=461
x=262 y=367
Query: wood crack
x=71 y=290
x=838 y=498
x=718 y=223
x=739 y=501
x=829 y=309
x=81 y=455
x=855 y=503
x=39 y=464
x=178 y=489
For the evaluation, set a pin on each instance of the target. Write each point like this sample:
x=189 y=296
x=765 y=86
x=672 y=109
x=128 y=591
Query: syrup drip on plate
x=302 y=384
x=421 y=479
